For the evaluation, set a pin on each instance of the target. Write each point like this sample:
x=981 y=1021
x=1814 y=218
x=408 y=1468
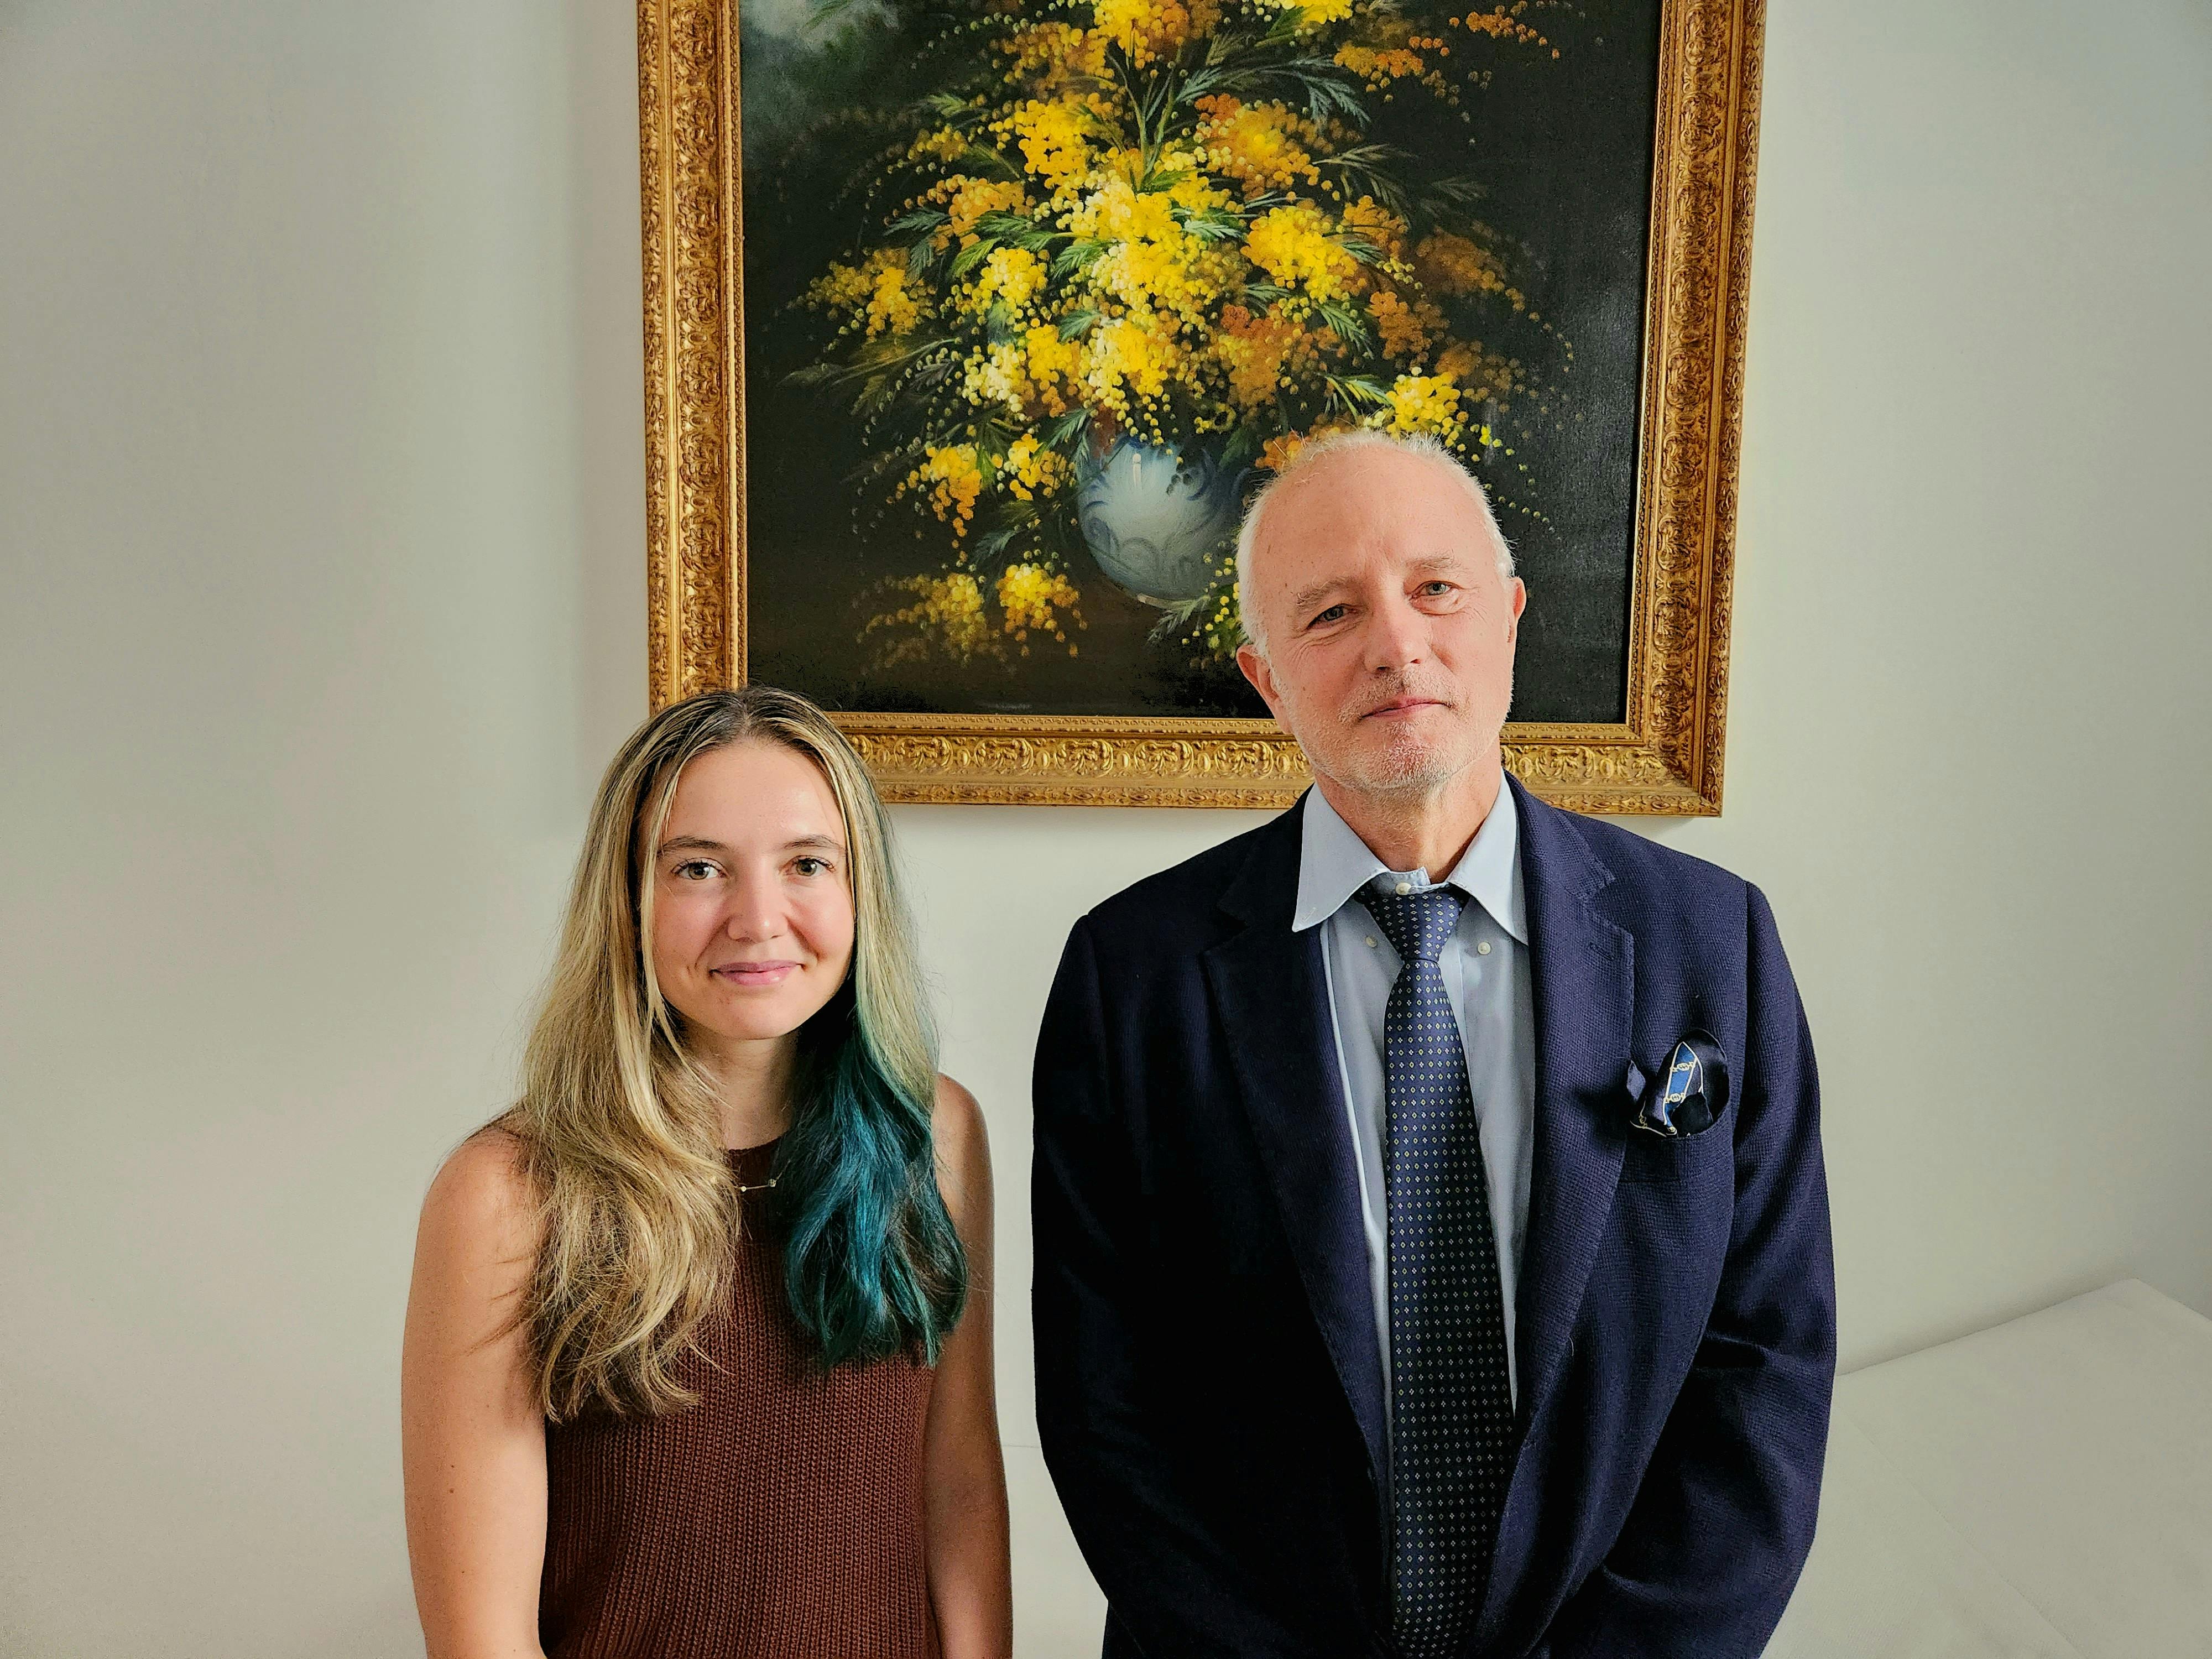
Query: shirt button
x=1482 y=949
x=1371 y=941
x=1404 y=888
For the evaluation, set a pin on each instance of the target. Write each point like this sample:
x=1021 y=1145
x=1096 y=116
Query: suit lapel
x=1270 y=993
x=1581 y=969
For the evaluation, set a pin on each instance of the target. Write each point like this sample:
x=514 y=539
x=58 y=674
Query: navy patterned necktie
x=1451 y=1397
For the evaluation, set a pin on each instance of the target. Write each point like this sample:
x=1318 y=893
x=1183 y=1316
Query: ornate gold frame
x=1665 y=758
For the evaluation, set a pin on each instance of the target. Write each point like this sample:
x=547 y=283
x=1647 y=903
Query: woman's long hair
x=621 y=1129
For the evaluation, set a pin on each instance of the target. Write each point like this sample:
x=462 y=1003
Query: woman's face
x=752 y=923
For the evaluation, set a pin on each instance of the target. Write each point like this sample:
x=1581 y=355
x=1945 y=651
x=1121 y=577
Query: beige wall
x=320 y=507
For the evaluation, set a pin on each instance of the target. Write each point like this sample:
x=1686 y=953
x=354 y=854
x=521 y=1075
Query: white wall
x=319 y=494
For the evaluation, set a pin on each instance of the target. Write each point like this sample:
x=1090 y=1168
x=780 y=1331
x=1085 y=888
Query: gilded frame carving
x=1664 y=759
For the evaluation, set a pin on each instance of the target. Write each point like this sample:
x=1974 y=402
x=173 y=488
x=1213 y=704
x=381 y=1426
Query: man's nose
x=1396 y=635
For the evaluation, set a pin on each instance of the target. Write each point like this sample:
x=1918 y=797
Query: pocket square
x=1690 y=1094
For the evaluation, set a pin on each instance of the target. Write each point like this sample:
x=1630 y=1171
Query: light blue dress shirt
x=1486 y=975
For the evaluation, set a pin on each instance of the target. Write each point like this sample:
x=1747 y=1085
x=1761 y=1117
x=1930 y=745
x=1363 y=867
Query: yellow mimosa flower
x=1452 y=264
x=1379 y=66
x=953 y=605
x=1053 y=366
x=1262 y=146
x=1292 y=244
x=1050 y=136
x=1370 y=221
x=1012 y=274
x=1404 y=330
x=1030 y=469
x=1426 y=402
x=967 y=200
x=1146 y=29
x=1031 y=597
x=1256 y=351
x=954 y=480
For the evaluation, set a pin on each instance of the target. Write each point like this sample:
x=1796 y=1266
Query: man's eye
x=1334 y=613
x=1436 y=590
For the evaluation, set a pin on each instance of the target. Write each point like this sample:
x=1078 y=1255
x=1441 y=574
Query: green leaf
x=1065 y=429
x=1456 y=193
x=1243 y=447
x=1371 y=166
x=920 y=223
x=1359 y=390
x=1076 y=256
x=1367 y=158
x=1077 y=323
x=971 y=255
x=1021 y=231
x=1348 y=326
x=1202 y=81
x=978 y=159
x=1212 y=224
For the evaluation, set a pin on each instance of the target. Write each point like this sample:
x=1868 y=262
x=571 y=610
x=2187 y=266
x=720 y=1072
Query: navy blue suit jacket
x=1209 y=1391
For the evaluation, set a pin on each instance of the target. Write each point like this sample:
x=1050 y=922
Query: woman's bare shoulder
x=482 y=1194
x=957 y=1121
x=963 y=1152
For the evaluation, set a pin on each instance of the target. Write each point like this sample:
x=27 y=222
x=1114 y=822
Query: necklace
x=758 y=1186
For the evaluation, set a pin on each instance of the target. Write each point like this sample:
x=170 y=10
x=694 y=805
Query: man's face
x=1389 y=635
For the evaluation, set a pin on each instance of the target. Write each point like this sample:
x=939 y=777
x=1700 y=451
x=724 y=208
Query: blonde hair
x=621 y=1130
x=1311 y=455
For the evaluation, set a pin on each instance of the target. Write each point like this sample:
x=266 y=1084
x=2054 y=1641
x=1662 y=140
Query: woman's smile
x=772 y=971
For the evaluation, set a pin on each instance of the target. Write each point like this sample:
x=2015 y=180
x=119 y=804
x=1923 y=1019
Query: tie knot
x=1417 y=924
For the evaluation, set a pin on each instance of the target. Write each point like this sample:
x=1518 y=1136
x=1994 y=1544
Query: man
x=1432 y=1248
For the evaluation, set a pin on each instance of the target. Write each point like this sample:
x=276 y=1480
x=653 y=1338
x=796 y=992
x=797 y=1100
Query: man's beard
x=1406 y=764
x=1403 y=764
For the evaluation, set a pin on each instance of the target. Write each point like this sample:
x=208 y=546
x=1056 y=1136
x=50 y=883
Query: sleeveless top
x=780 y=1518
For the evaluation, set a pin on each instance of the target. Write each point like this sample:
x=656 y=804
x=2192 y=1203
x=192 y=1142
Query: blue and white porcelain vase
x=1156 y=520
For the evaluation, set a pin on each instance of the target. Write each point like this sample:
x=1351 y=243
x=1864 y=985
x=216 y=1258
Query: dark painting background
x=1564 y=148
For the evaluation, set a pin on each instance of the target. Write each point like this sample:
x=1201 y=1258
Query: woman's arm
x=964 y=1477
x=471 y=1436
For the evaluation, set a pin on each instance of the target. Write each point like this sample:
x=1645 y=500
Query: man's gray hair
x=1337 y=443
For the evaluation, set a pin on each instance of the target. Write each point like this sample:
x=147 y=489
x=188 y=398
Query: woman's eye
x=694 y=870
x=810 y=867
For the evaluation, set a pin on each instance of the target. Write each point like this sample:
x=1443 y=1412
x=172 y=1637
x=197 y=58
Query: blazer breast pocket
x=1681 y=1157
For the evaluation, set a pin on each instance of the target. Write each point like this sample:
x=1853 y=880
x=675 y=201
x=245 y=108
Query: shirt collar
x=1335 y=863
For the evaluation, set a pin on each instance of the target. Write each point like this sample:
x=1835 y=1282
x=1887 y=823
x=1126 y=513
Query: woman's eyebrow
x=692 y=844
x=700 y=844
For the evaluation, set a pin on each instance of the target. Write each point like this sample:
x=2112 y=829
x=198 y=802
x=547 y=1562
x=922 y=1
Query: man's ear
x=1520 y=598
x=1256 y=669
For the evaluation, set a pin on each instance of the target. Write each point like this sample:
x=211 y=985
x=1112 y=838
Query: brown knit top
x=779 y=1518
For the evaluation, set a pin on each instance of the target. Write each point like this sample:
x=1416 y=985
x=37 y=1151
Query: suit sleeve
x=1171 y=1587
x=1720 y=1528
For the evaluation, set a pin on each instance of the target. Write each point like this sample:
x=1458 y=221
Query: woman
x=698 y=1351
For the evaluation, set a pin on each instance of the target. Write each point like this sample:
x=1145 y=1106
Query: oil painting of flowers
x=1035 y=294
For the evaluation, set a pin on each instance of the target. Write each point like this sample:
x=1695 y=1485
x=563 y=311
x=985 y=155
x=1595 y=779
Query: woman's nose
x=754 y=911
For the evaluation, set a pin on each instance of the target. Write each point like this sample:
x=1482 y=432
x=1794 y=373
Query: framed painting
x=970 y=324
